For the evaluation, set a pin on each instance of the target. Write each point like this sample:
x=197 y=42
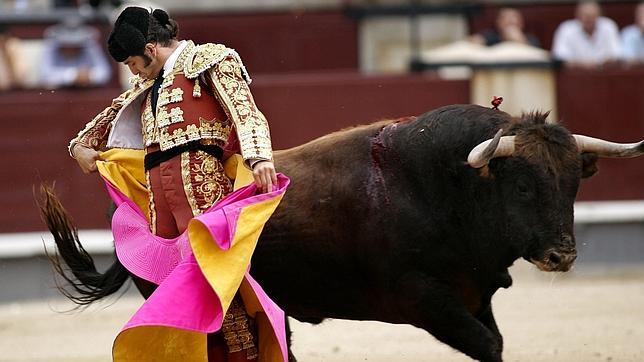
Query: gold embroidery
x=165 y=118
x=173 y=96
x=236 y=330
x=150 y=132
x=204 y=180
x=196 y=90
x=162 y=116
x=167 y=81
x=212 y=130
x=215 y=129
x=187 y=183
x=186 y=54
x=152 y=217
x=251 y=125
x=211 y=180
x=205 y=56
x=95 y=132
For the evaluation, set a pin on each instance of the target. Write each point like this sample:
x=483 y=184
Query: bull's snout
x=559 y=258
x=560 y=261
x=554 y=260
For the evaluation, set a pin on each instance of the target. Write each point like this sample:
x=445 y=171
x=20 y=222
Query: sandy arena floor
x=590 y=317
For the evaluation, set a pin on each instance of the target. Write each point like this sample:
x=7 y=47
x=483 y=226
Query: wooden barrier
x=37 y=125
x=610 y=105
x=268 y=42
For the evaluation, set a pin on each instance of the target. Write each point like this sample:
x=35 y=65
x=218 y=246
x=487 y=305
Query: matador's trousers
x=184 y=187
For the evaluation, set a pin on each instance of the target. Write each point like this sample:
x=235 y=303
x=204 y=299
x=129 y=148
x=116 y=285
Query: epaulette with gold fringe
x=205 y=56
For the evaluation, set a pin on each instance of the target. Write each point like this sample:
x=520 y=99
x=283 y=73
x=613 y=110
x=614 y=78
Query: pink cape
x=187 y=298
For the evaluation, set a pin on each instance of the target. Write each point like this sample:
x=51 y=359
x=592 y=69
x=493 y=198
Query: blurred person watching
x=589 y=41
x=11 y=74
x=72 y=57
x=508 y=27
x=633 y=38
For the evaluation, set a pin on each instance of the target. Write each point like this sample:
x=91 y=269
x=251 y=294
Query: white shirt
x=572 y=43
x=633 y=43
x=172 y=59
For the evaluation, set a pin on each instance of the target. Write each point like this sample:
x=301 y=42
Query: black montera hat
x=129 y=34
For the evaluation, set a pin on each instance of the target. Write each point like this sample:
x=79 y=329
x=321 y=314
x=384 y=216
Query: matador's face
x=148 y=65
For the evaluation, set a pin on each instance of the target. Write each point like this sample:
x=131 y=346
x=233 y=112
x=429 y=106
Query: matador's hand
x=86 y=158
x=265 y=175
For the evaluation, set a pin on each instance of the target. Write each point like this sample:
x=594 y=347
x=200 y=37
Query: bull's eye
x=523 y=189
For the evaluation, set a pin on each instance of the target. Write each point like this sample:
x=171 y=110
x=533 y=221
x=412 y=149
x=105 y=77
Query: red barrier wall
x=303 y=107
x=38 y=125
x=608 y=105
x=280 y=42
x=268 y=42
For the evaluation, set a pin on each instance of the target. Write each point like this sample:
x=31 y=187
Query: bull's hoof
x=291 y=357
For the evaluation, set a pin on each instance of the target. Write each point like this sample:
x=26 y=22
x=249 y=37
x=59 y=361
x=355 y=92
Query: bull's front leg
x=431 y=305
x=289 y=341
x=487 y=318
x=486 y=315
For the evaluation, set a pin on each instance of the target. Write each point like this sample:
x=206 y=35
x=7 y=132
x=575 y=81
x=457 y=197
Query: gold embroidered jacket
x=205 y=97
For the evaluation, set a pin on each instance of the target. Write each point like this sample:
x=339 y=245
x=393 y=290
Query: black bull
x=407 y=221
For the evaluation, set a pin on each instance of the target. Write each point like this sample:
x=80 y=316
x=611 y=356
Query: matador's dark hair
x=136 y=27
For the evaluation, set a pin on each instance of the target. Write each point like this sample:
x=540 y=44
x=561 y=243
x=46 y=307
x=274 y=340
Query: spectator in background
x=508 y=27
x=11 y=75
x=589 y=41
x=72 y=57
x=633 y=38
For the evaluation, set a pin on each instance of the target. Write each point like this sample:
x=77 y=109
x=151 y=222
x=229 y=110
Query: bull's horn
x=608 y=149
x=496 y=147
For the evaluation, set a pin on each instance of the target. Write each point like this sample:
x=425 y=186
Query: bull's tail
x=87 y=284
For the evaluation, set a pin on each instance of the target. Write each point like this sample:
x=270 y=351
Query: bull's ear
x=589 y=164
